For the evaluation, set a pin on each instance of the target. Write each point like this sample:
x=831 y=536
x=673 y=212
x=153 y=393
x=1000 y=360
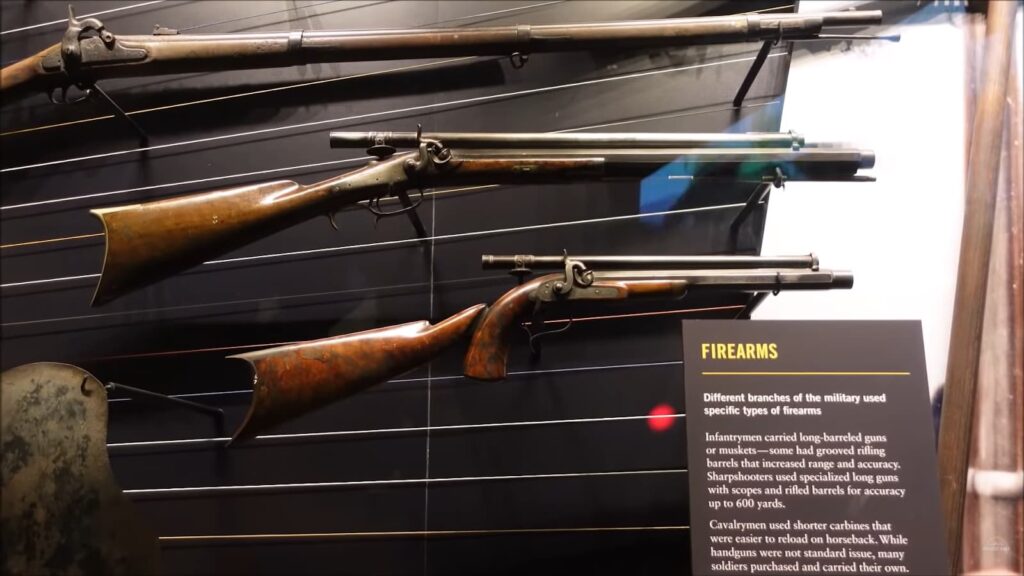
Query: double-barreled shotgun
x=151 y=241
x=89 y=51
x=289 y=381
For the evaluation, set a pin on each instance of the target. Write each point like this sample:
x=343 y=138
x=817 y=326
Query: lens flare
x=661 y=418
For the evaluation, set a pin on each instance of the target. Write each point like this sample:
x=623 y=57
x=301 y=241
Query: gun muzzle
x=850 y=18
x=842 y=279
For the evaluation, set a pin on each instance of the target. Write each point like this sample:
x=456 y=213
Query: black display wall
x=555 y=470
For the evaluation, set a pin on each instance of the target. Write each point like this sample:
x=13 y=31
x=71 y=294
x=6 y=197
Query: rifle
x=89 y=52
x=291 y=380
x=151 y=241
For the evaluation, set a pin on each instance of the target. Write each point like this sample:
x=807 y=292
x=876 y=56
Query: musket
x=89 y=52
x=292 y=380
x=151 y=241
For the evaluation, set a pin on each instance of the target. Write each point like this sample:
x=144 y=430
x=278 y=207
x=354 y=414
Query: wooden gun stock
x=147 y=242
x=291 y=380
x=26 y=76
x=487 y=356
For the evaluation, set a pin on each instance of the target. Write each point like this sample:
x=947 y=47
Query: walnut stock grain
x=289 y=381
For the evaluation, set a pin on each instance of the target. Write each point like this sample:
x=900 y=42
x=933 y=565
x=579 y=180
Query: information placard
x=811 y=448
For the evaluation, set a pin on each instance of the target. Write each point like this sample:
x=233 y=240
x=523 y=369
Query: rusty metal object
x=63 y=512
x=289 y=381
x=90 y=52
x=972 y=275
x=151 y=241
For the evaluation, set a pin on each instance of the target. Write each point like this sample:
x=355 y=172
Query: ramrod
x=150 y=241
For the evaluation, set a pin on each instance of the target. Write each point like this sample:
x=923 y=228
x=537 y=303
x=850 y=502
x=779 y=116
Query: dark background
x=173 y=337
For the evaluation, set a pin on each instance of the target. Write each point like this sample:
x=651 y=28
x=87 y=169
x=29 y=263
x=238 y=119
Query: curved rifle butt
x=149 y=242
x=487 y=357
x=289 y=381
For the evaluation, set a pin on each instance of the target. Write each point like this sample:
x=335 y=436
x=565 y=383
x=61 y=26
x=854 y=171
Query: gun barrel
x=573 y=140
x=851 y=18
x=530 y=261
x=758 y=280
x=506 y=166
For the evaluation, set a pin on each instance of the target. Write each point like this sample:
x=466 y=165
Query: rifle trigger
x=330 y=216
x=534 y=337
x=373 y=205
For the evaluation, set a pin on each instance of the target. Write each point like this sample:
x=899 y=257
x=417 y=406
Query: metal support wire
x=217 y=413
x=755 y=69
x=120 y=113
x=237 y=490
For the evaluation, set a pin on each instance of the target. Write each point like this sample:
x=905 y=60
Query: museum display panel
x=467 y=287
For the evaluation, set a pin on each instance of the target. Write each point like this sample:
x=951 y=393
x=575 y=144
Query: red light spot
x=661 y=418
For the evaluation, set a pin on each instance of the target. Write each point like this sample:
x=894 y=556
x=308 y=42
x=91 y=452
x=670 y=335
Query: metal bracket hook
x=380 y=149
x=518 y=59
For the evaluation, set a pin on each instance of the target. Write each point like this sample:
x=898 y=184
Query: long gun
x=291 y=380
x=151 y=241
x=89 y=51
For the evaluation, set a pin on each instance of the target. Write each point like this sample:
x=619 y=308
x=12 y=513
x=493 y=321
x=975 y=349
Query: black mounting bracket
x=216 y=413
x=120 y=113
x=758 y=196
x=755 y=300
x=414 y=216
x=766 y=46
x=755 y=69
